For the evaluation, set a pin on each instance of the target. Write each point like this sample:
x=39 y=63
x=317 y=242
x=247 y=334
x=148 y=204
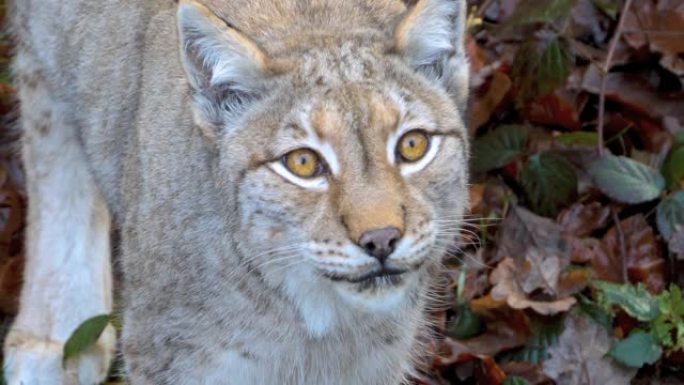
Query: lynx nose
x=380 y=243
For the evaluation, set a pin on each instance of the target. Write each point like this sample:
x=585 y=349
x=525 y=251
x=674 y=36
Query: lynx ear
x=225 y=69
x=431 y=39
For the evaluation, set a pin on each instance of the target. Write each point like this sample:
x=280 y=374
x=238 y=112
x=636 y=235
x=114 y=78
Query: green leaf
x=678 y=140
x=499 y=147
x=579 y=138
x=554 y=66
x=85 y=336
x=673 y=168
x=625 y=179
x=531 y=12
x=549 y=182
x=5 y=76
x=633 y=299
x=595 y=312
x=466 y=325
x=544 y=335
x=515 y=380
x=636 y=350
x=541 y=66
x=669 y=326
x=670 y=214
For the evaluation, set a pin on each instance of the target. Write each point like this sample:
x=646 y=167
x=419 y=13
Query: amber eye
x=413 y=145
x=303 y=162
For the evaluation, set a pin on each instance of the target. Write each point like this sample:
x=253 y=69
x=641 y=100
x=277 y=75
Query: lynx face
x=347 y=163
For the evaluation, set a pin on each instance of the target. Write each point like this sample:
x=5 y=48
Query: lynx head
x=343 y=153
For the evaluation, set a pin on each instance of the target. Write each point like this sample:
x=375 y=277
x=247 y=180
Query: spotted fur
x=177 y=116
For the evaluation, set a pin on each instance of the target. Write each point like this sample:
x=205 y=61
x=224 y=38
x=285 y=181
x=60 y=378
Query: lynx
x=283 y=177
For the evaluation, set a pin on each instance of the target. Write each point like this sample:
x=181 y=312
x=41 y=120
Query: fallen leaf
x=476 y=192
x=578 y=358
x=584 y=250
x=504 y=329
x=646 y=21
x=580 y=219
x=545 y=333
x=486 y=345
x=633 y=299
x=677 y=242
x=637 y=350
x=572 y=282
x=670 y=214
x=488 y=372
x=523 y=230
x=488 y=98
x=588 y=22
x=635 y=93
x=540 y=272
x=625 y=179
x=559 y=108
x=533 y=373
x=507 y=287
x=549 y=181
x=643 y=255
x=540 y=66
x=498 y=147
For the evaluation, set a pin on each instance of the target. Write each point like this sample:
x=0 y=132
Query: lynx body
x=284 y=175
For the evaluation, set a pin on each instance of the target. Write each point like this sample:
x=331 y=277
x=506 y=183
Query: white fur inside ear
x=427 y=32
x=214 y=53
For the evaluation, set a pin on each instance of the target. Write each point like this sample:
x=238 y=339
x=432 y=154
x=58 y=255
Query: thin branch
x=604 y=73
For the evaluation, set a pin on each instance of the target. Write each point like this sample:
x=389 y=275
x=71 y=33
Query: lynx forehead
x=285 y=176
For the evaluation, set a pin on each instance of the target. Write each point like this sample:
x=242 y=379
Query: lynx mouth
x=390 y=276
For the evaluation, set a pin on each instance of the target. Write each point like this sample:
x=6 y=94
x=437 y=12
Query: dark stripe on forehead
x=361 y=122
x=295 y=129
x=365 y=156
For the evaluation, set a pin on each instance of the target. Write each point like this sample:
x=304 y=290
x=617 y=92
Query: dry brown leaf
x=523 y=230
x=505 y=279
x=572 y=282
x=579 y=356
x=580 y=219
x=643 y=255
x=533 y=373
x=635 y=93
x=476 y=192
x=583 y=250
x=488 y=99
x=500 y=336
x=540 y=272
x=505 y=329
x=660 y=26
x=559 y=108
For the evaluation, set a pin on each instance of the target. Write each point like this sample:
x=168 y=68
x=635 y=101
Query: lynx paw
x=34 y=361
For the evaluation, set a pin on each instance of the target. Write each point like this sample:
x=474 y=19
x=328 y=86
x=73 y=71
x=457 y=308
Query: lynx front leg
x=68 y=274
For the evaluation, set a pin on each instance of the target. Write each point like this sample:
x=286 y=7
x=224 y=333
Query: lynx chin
x=283 y=177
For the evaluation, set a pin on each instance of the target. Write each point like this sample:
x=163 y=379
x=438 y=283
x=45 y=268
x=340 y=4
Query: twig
x=621 y=241
x=604 y=73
